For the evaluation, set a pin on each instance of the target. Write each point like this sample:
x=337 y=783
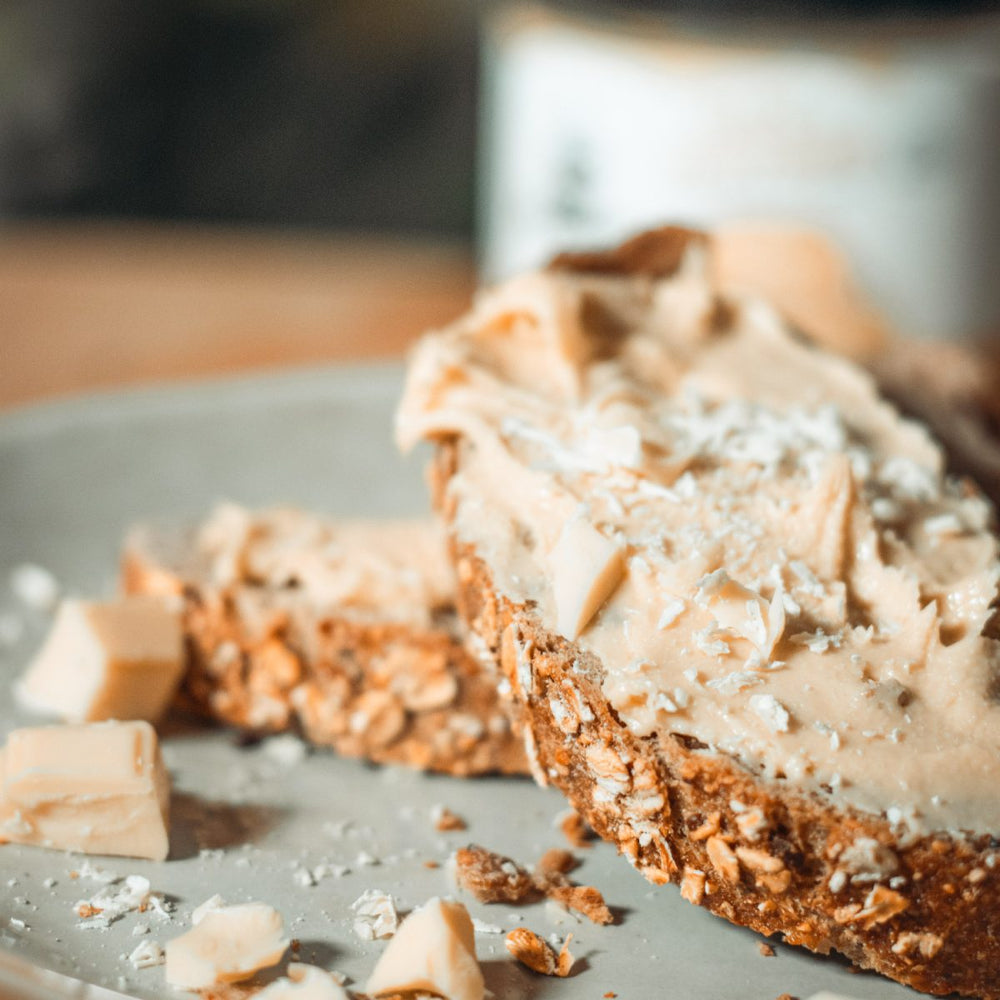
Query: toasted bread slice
x=345 y=629
x=743 y=614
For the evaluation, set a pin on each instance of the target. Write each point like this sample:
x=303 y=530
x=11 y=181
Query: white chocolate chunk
x=116 y=899
x=433 y=950
x=227 y=945
x=215 y=902
x=34 y=586
x=742 y=611
x=376 y=915
x=586 y=569
x=304 y=982
x=146 y=955
x=120 y=659
x=672 y=610
x=99 y=788
x=770 y=711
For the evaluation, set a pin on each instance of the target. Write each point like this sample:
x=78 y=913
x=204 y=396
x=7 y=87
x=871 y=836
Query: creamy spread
x=762 y=553
x=394 y=570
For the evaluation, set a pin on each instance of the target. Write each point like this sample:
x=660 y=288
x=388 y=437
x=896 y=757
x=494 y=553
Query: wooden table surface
x=90 y=306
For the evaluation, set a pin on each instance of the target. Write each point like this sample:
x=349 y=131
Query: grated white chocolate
x=771 y=560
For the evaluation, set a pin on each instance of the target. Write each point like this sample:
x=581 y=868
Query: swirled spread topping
x=393 y=570
x=761 y=552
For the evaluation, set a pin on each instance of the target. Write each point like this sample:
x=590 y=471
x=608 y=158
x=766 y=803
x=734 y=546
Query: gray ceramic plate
x=73 y=475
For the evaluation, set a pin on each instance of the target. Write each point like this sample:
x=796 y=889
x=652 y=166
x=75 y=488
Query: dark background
x=307 y=113
x=323 y=114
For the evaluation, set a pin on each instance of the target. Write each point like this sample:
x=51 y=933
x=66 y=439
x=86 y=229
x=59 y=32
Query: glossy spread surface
x=761 y=552
x=395 y=570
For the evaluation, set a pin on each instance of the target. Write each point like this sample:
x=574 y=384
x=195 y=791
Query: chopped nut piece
x=846 y=914
x=378 y=716
x=693 y=885
x=420 y=678
x=539 y=956
x=707 y=829
x=492 y=878
x=723 y=859
x=752 y=823
x=777 y=882
x=881 y=905
x=759 y=861
x=611 y=771
x=927 y=944
x=445 y=820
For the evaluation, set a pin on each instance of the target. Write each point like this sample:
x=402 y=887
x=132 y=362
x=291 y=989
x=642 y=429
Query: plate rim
x=348 y=381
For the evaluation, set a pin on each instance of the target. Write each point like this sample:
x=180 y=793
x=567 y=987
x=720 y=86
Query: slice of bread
x=344 y=629
x=743 y=618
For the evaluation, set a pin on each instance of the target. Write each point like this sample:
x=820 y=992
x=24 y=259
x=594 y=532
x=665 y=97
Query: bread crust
x=390 y=693
x=923 y=911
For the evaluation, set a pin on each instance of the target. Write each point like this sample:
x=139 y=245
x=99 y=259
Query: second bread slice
x=345 y=629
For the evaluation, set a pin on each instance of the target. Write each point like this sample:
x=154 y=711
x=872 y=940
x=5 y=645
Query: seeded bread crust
x=387 y=692
x=925 y=911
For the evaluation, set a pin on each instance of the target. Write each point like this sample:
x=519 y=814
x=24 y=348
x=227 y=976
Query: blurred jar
x=877 y=128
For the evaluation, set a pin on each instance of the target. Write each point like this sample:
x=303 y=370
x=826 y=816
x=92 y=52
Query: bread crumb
x=584 y=899
x=285 y=749
x=538 y=955
x=492 y=878
x=445 y=820
x=765 y=949
x=575 y=830
x=557 y=861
